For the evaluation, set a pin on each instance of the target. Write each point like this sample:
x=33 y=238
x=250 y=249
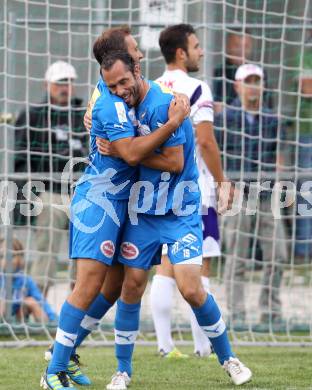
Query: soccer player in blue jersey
x=163 y=209
x=98 y=214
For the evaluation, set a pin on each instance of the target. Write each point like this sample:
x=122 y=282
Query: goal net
x=263 y=280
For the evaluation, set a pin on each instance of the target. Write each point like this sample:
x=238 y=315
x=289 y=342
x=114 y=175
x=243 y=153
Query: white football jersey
x=201 y=110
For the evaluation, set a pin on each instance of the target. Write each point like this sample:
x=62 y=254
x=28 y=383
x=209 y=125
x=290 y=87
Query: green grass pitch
x=273 y=368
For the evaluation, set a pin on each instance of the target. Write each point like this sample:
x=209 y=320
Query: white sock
x=201 y=341
x=161 y=304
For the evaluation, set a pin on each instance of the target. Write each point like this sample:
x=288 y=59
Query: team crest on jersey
x=129 y=251
x=108 y=248
x=121 y=112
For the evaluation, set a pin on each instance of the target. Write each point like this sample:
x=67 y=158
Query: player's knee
x=132 y=290
x=194 y=295
x=86 y=293
x=112 y=293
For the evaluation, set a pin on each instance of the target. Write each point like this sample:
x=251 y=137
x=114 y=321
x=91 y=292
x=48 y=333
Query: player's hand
x=106 y=148
x=185 y=100
x=225 y=195
x=87 y=121
x=177 y=111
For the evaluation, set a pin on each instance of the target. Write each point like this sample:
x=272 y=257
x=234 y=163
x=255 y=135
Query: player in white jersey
x=182 y=52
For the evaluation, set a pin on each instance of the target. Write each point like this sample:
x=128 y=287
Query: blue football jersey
x=181 y=189
x=111 y=120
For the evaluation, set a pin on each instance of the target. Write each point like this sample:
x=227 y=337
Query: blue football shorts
x=211 y=235
x=141 y=244
x=96 y=228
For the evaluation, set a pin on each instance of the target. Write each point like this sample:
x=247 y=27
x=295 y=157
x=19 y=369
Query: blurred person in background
x=302 y=135
x=27 y=299
x=239 y=45
x=248 y=134
x=47 y=136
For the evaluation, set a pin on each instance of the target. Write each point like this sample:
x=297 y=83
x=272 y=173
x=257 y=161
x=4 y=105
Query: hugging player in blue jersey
x=98 y=214
x=163 y=209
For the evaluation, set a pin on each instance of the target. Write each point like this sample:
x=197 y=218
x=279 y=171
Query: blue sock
x=209 y=319
x=126 y=330
x=70 y=319
x=96 y=311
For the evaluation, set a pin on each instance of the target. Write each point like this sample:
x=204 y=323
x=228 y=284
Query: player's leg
x=236 y=238
x=140 y=250
x=202 y=345
x=273 y=244
x=127 y=325
x=101 y=244
x=90 y=278
x=93 y=237
x=161 y=296
x=211 y=248
x=108 y=295
x=209 y=318
x=186 y=255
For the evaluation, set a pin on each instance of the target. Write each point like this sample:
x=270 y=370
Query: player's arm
x=171 y=159
x=135 y=149
x=209 y=150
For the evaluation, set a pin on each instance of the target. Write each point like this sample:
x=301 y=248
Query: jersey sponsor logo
x=129 y=251
x=108 y=248
x=121 y=112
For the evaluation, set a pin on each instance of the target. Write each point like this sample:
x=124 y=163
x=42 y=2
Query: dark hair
x=110 y=40
x=173 y=38
x=110 y=58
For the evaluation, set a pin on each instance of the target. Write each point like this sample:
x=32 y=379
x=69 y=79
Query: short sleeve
x=202 y=108
x=159 y=118
x=110 y=120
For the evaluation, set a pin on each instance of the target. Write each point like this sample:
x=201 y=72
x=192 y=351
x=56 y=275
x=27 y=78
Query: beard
x=192 y=66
